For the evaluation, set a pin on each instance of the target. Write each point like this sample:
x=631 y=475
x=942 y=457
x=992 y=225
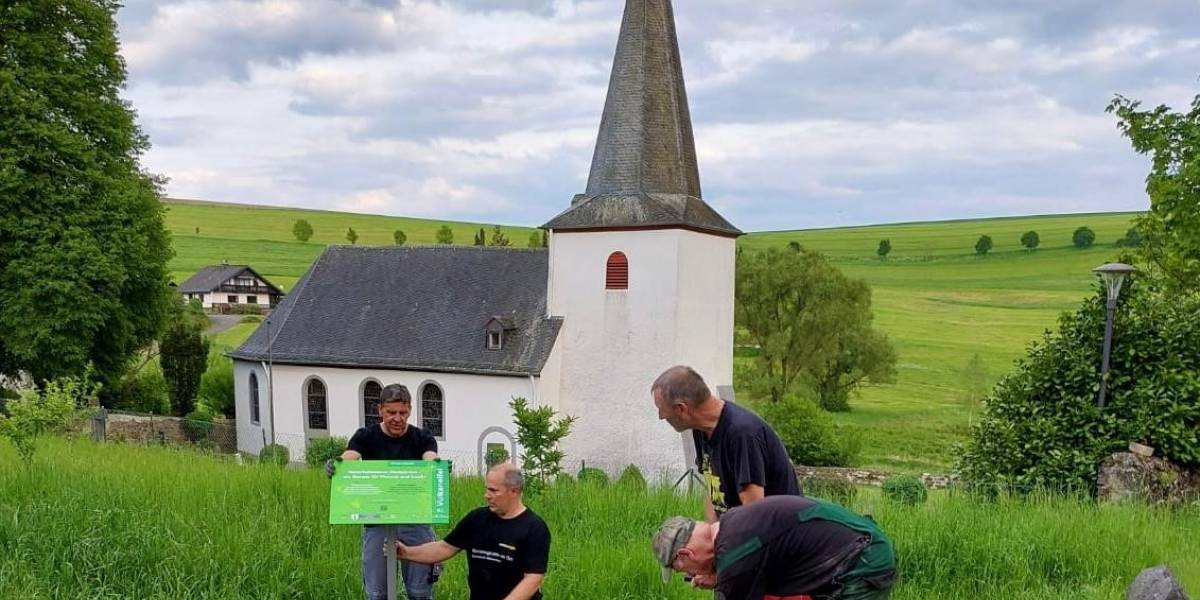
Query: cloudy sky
x=807 y=113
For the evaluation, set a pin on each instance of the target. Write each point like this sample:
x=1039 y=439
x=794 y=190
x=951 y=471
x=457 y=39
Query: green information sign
x=390 y=492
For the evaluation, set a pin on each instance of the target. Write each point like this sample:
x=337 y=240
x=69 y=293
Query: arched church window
x=617 y=274
x=433 y=410
x=255 y=412
x=370 y=402
x=318 y=413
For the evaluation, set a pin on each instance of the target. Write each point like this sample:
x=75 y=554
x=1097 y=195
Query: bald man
x=507 y=544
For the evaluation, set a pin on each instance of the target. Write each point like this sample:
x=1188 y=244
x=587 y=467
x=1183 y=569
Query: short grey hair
x=514 y=479
x=681 y=384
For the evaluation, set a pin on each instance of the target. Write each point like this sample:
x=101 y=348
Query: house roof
x=212 y=277
x=418 y=308
x=644 y=172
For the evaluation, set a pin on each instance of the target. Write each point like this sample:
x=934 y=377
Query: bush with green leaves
x=905 y=489
x=197 y=425
x=142 y=391
x=399 y=237
x=1041 y=426
x=631 y=478
x=885 y=248
x=593 y=476
x=274 y=454
x=538 y=432
x=351 y=235
x=302 y=230
x=1083 y=237
x=830 y=487
x=495 y=455
x=216 y=385
x=445 y=235
x=809 y=433
x=322 y=449
x=183 y=354
x=34 y=414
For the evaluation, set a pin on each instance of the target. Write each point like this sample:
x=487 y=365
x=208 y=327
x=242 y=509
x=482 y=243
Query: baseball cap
x=670 y=538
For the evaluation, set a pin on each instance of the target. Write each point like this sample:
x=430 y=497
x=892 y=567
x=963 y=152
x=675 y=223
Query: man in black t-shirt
x=739 y=456
x=783 y=546
x=507 y=544
x=393 y=439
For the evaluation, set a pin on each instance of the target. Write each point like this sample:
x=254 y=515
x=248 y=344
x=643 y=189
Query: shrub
x=216 y=385
x=144 y=392
x=1030 y=240
x=830 y=487
x=1041 y=426
x=245 y=309
x=445 y=235
x=183 y=354
x=593 y=475
x=32 y=414
x=252 y=319
x=631 y=478
x=1132 y=239
x=1083 y=237
x=809 y=433
x=399 y=237
x=495 y=455
x=885 y=248
x=322 y=449
x=351 y=235
x=274 y=454
x=905 y=489
x=983 y=245
x=198 y=424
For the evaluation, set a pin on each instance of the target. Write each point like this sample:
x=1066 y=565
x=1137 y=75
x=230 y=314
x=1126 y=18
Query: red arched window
x=617 y=275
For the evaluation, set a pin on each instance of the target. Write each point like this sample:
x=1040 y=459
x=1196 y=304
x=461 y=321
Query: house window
x=318 y=416
x=617 y=274
x=494 y=339
x=370 y=401
x=254 y=410
x=432 y=410
x=231 y=299
x=251 y=299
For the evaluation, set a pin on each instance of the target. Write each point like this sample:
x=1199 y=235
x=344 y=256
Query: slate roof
x=419 y=308
x=211 y=277
x=644 y=172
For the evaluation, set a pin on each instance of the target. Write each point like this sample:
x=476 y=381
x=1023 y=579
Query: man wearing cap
x=739 y=456
x=782 y=546
x=507 y=544
x=393 y=439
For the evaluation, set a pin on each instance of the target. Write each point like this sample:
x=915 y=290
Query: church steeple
x=644 y=172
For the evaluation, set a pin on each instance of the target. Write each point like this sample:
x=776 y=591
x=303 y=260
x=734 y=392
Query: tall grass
x=112 y=521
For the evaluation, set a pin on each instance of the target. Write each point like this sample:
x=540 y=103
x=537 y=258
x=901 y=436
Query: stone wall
x=166 y=430
x=870 y=477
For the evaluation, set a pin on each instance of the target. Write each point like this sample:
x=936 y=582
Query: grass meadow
x=118 y=521
x=939 y=302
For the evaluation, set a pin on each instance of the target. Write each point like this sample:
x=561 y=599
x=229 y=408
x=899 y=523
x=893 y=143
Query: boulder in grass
x=1156 y=583
x=1129 y=477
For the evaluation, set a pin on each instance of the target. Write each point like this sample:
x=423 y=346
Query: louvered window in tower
x=617 y=275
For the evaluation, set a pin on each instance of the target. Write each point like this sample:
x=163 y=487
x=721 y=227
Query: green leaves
x=538 y=433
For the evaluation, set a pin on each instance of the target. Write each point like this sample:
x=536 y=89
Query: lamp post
x=1114 y=275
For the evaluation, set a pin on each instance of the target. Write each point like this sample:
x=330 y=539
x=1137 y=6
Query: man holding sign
x=507 y=544
x=393 y=439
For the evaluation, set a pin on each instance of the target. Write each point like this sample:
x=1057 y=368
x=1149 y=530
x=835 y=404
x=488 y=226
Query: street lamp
x=1114 y=275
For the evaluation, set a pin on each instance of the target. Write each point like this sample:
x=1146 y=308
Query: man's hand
x=401 y=551
x=704 y=582
x=331 y=466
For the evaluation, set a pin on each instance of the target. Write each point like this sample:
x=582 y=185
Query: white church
x=638 y=276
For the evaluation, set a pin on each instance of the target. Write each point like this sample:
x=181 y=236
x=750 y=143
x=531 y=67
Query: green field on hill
x=939 y=303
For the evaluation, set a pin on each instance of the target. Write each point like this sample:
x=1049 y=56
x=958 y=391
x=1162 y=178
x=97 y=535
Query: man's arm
x=426 y=554
x=527 y=587
x=351 y=455
x=751 y=493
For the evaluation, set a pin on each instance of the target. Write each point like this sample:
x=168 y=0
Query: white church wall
x=615 y=343
x=471 y=404
x=705 y=310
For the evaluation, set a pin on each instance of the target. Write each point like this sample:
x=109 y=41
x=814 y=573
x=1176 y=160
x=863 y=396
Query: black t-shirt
x=501 y=551
x=765 y=548
x=742 y=450
x=373 y=444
